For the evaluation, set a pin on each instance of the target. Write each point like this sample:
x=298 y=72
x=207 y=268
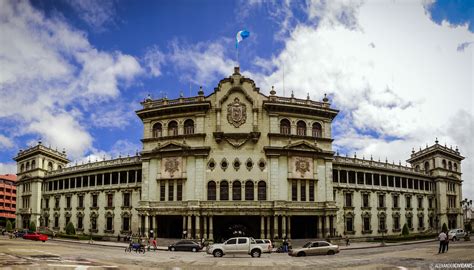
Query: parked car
x=185 y=245
x=315 y=248
x=456 y=234
x=35 y=236
x=20 y=234
x=236 y=245
x=265 y=244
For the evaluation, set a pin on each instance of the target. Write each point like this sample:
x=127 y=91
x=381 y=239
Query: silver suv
x=456 y=234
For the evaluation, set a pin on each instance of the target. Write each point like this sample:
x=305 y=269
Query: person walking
x=347 y=241
x=442 y=242
x=154 y=244
x=446 y=243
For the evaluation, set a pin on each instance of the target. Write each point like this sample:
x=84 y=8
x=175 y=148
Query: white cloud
x=51 y=75
x=5 y=142
x=97 y=14
x=120 y=148
x=8 y=168
x=154 y=59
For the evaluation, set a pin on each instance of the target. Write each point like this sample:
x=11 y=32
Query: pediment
x=171 y=146
x=303 y=146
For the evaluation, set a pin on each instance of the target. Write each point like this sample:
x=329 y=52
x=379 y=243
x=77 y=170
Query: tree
x=405 y=230
x=445 y=228
x=32 y=226
x=70 y=229
x=9 y=226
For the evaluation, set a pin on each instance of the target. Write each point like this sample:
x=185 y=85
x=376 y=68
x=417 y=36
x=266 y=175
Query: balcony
x=24 y=211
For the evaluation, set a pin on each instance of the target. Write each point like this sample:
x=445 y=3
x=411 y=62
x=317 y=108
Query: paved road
x=20 y=254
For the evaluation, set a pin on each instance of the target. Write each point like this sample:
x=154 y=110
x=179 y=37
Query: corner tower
x=443 y=164
x=32 y=166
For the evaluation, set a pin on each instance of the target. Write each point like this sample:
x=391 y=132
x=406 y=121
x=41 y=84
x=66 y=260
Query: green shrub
x=32 y=226
x=445 y=228
x=70 y=229
x=9 y=226
x=405 y=230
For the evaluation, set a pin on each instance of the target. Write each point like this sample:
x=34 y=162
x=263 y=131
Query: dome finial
x=436 y=141
x=272 y=92
x=325 y=99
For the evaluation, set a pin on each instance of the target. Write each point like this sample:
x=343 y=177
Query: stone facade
x=239 y=162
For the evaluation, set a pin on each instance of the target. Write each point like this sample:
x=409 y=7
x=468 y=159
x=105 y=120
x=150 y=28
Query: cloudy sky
x=72 y=72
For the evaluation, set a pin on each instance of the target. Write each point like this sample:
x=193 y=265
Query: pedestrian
x=442 y=240
x=118 y=237
x=91 y=241
x=154 y=244
x=446 y=243
x=285 y=245
x=347 y=241
x=184 y=234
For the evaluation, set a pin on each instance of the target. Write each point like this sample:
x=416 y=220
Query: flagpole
x=237 y=47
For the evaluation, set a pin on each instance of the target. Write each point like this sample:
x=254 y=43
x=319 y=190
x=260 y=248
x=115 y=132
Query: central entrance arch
x=226 y=227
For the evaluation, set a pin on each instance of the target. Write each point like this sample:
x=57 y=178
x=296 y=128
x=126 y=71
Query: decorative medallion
x=171 y=165
x=302 y=166
x=236 y=113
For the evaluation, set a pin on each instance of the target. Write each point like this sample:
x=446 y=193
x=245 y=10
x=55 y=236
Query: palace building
x=238 y=162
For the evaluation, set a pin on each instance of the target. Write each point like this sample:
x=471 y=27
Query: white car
x=456 y=234
x=265 y=244
x=242 y=245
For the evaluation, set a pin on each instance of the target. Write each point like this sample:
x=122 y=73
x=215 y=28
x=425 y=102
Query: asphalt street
x=22 y=254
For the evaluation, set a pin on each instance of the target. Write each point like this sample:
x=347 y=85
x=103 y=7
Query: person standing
x=442 y=242
x=347 y=241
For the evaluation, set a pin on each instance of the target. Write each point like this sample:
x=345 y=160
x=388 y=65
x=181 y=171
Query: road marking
x=402 y=268
x=80 y=267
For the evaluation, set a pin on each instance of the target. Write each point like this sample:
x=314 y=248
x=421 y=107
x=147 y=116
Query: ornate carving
x=302 y=166
x=236 y=113
x=171 y=165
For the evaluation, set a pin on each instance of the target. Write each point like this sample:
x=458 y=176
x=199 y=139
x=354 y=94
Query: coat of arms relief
x=172 y=166
x=303 y=166
x=236 y=113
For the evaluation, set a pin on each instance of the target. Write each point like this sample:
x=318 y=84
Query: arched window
x=444 y=164
x=27 y=166
x=301 y=128
x=211 y=191
x=455 y=167
x=417 y=168
x=189 y=127
x=249 y=190
x=224 y=191
x=59 y=167
x=33 y=164
x=157 y=130
x=317 y=130
x=236 y=191
x=262 y=191
x=172 y=128
x=450 y=166
x=50 y=166
x=22 y=167
x=427 y=167
x=285 y=127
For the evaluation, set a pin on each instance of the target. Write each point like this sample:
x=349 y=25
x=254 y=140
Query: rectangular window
x=368 y=179
x=80 y=201
x=60 y=184
x=404 y=183
x=384 y=180
x=68 y=219
x=395 y=201
x=334 y=175
x=92 y=180
x=381 y=200
x=420 y=202
x=416 y=184
x=179 y=191
x=78 y=182
x=94 y=223
x=66 y=183
x=85 y=181
x=421 y=223
x=360 y=178
x=348 y=200
x=311 y=191
x=349 y=226
x=409 y=222
x=106 y=179
x=110 y=200
x=343 y=176
x=352 y=177
x=397 y=181
x=382 y=223
x=410 y=183
x=396 y=223
x=294 y=190
x=56 y=203
x=171 y=190
x=68 y=202
x=162 y=191
x=94 y=200
x=408 y=201
x=126 y=199
x=430 y=203
x=126 y=224
x=366 y=223
x=114 y=178
x=56 y=222
x=303 y=190
x=72 y=182
x=109 y=223
x=123 y=177
x=365 y=200
x=390 y=181
x=376 y=180
x=79 y=222
x=131 y=176
x=99 y=179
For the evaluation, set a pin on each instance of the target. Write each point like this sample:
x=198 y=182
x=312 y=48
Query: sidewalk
x=121 y=245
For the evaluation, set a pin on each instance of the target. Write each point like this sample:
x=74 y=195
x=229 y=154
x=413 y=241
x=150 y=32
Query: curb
x=391 y=245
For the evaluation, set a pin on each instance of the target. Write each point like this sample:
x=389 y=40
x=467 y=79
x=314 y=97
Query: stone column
x=318 y=226
x=204 y=233
x=140 y=225
x=167 y=188
x=298 y=190
x=268 y=235
x=262 y=227
x=146 y=226
x=190 y=223
x=275 y=227
x=184 y=226
x=255 y=192
x=198 y=226
x=288 y=233
x=211 y=229
x=326 y=226
x=283 y=227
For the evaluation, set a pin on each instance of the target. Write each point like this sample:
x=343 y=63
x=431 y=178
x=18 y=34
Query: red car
x=35 y=236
